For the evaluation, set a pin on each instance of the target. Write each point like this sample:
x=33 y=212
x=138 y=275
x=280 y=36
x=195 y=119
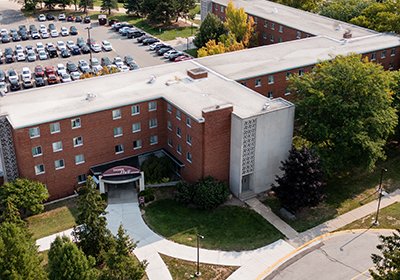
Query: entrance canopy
x=121 y=170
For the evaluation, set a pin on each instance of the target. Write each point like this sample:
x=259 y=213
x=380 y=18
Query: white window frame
x=266 y=23
x=189 y=139
x=179 y=149
x=393 y=52
x=298 y=34
x=280 y=29
x=169 y=125
x=75 y=139
x=52 y=126
x=39 y=154
x=178 y=129
x=136 y=129
x=139 y=141
x=301 y=72
x=116 y=130
x=39 y=172
x=151 y=107
x=169 y=108
x=188 y=122
x=153 y=137
x=79 y=162
x=272 y=26
x=383 y=54
x=83 y=181
x=189 y=158
x=178 y=114
x=153 y=123
x=170 y=143
x=36 y=129
x=74 y=121
x=257 y=83
x=122 y=149
x=288 y=74
x=135 y=111
x=60 y=167
x=272 y=39
x=373 y=56
x=55 y=149
x=116 y=114
x=271 y=79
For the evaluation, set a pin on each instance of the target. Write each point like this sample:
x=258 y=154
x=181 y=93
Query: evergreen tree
x=387 y=264
x=19 y=257
x=107 y=5
x=133 y=7
x=85 y=5
x=210 y=29
x=68 y=262
x=302 y=180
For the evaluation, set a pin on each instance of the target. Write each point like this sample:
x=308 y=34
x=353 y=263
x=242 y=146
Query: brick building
x=105 y=126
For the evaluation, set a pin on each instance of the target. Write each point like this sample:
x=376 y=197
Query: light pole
x=198 y=273
x=89 y=42
x=376 y=223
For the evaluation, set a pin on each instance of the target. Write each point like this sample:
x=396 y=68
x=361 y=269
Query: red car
x=39 y=71
x=70 y=18
x=182 y=58
x=52 y=79
x=48 y=70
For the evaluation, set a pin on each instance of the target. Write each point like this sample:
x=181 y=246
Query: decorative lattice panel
x=249 y=146
x=10 y=167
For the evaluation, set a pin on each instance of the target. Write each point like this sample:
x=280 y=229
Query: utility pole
x=376 y=223
x=198 y=273
x=89 y=42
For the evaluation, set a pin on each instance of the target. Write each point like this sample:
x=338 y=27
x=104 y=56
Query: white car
x=168 y=53
x=95 y=65
x=70 y=44
x=118 y=62
x=42 y=55
x=26 y=74
x=45 y=34
x=106 y=46
x=95 y=47
x=31 y=55
x=153 y=46
x=42 y=17
x=20 y=56
x=61 y=45
x=19 y=49
x=61 y=17
x=3 y=32
x=83 y=66
x=123 y=68
x=54 y=33
x=3 y=88
x=42 y=28
x=39 y=46
x=12 y=75
x=35 y=35
x=61 y=69
x=64 y=31
x=75 y=75
x=65 y=77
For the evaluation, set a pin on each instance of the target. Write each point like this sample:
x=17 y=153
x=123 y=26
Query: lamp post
x=376 y=223
x=198 y=273
x=89 y=41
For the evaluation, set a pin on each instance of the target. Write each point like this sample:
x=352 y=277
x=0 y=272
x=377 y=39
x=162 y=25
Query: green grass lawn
x=57 y=217
x=192 y=52
x=226 y=228
x=181 y=269
x=345 y=194
x=98 y=3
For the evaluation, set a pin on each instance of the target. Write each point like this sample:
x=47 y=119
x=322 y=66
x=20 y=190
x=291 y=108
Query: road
x=341 y=257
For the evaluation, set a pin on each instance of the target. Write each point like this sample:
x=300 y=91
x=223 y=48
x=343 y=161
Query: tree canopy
x=387 y=264
x=344 y=109
x=108 y=5
x=307 y=5
x=163 y=12
x=210 y=29
x=344 y=10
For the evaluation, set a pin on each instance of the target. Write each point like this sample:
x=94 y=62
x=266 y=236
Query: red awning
x=120 y=170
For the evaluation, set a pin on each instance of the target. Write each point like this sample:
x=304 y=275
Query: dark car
x=78 y=19
x=163 y=50
x=105 y=61
x=5 y=39
x=149 y=41
x=86 y=19
x=2 y=76
x=52 y=51
x=134 y=34
x=50 y=17
x=65 y=53
x=32 y=27
x=112 y=21
x=124 y=24
x=16 y=37
x=75 y=50
x=21 y=28
x=175 y=55
x=71 y=67
x=73 y=30
x=80 y=42
x=24 y=35
x=159 y=47
x=132 y=65
x=141 y=38
x=52 y=27
x=39 y=81
x=70 y=18
x=8 y=55
x=15 y=85
x=128 y=59
x=85 y=49
x=39 y=71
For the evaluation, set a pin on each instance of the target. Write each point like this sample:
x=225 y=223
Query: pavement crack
x=332 y=259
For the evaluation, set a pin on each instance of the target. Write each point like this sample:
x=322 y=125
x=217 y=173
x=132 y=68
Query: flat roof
x=275 y=58
x=40 y=105
x=298 y=19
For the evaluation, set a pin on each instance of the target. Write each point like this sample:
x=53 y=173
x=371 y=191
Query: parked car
x=123 y=68
x=105 y=61
x=2 y=76
x=8 y=55
x=39 y=81
x=64 y=31
x=31 y=56
x=3 y=88
x=51 y=50
x=24 y=35
x=65 y=77
x=182 y=58
x=78 y=19
x=141 y=38
x=80 y=42
x=75 y=75
x=61 y=45
x=27 y=83
x=42 y=55
x=135 y=34
x=156 y=44
x=35 y=35
x=149 y=41
x=19 y=49
x=61 y=17
x=12 y=75
x=85 y=49
x=86 y=19
x=52 y=79
x=71 y=67
x=15 y=85
x=61 y=69
x=73 y=30
x=26 y=73
x=75 y=50
x=70 y=44
x=163 y=50
x=39 y=72
x=20 y=56
x=5 y=39
x=44 y=34
x=95 y=64
x=106 y=46
x=128 y=59
x=50 y=17
x=39 y=46
x=83 y=66
x=54 y=33
x=65 y=53
x=42 y=17
x=70 y=18
x=118 y=61
x=173 y=56
x=124 y=30
x=48 y=70
x=16 y=37
x=168 y=53
x=95 y=47
x=132 y=65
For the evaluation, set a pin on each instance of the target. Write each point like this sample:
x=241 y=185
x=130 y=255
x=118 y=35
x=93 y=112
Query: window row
x=59 y=164
x=178 y=115
x=57 y=146
x=271 y=25
x=54 y=128
x=179 y=149
x=179 y=133
x=383 y=54
x=137 y=144
x=135 y=110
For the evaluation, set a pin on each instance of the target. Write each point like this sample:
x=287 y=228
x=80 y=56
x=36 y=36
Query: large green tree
x=210 y=29
x=133 y=6
x=344 y=10
x=92 y=235
x=85 y=5
x=68 y=262
x=26 y=195
x=108 y=5
x=396 y=99
x=161 y=12
x=307 y=5
x=19 y=257
x=387 y=264
x=344 y=109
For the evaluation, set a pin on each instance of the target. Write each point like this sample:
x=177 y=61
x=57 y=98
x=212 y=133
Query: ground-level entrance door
x=246 y=182
x=121 y=175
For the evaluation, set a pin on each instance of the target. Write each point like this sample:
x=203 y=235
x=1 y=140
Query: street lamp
x=376 y=223
x=89 y=42
x=198 y=273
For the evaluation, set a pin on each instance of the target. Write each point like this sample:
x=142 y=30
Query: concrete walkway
x=270 y=216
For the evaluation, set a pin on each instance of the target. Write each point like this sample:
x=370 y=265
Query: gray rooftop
x=293 y=54
x=35 y=106
x=298 y=19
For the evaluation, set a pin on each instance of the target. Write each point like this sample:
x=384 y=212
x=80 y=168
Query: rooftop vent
x=265 y=107
x=90 y=96
x=347 y=34
x=152 y=79
x=197 y=73
x=275 y=11
x=338 y=27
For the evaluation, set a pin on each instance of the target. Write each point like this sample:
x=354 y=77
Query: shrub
x=148 y=194
x=210 y=193
x=156 y=169
x=185 y=192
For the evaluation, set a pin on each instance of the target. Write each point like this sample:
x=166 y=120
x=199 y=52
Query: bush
x=185 y=193
x=148 y=194
x=156 y=169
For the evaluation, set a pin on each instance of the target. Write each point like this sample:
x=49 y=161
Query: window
x=189 y=157
x=288 y=75
x=216 y=7
x=280 y=40
x=270 y=94
x=119 y=149
x=137 y=144
x=270 y=79
x=298 y=35
x=136 y=127
x=76 y=123
x=280 y=29
x=169 y=108
x=116 y=114
x=37 y=151
x=373 y=56
x=255 y=20
x=34 y=132
x=189 y=139
x=272 y=38
x=265 y=23
x=393 y=52
x=81 y=178
x=179 y=132
x=152 y=105
x=78 y=141
x=153 y=139
x=258 y=83
x=117 y=131
x=55 y=128
x=59 y=164
x=243 y=83
x=221 y=9
x=57 y=146
x=152 y=123
x=301 y=72
x=188 y=122
x=169 y=125
x=264 y=35
x=272 y=26
x=135 y=109
x=179 y=149
x=383 y=54
x=39 y=169
x=79 y=159
x=178 y=114
x=390 y=66
x=170 y=141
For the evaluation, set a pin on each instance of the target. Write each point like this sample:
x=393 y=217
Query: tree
x=11 y=214
x=107 y=5
x=237 y=22
x=301 y=184
x=68 y=262
x=85 y=5
x=93 y=236
x=183 y=8
x=63 y=3
x=344 y=10
x=120 y=264
x=344 y=110
x=396 y=99
x=210 y=29
x=387 y=265
x=307 y=5
x=161 y=12
x=133 y=6
x=26 y=195
x=210 y=193
x=211 y=48
x=19 y=257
